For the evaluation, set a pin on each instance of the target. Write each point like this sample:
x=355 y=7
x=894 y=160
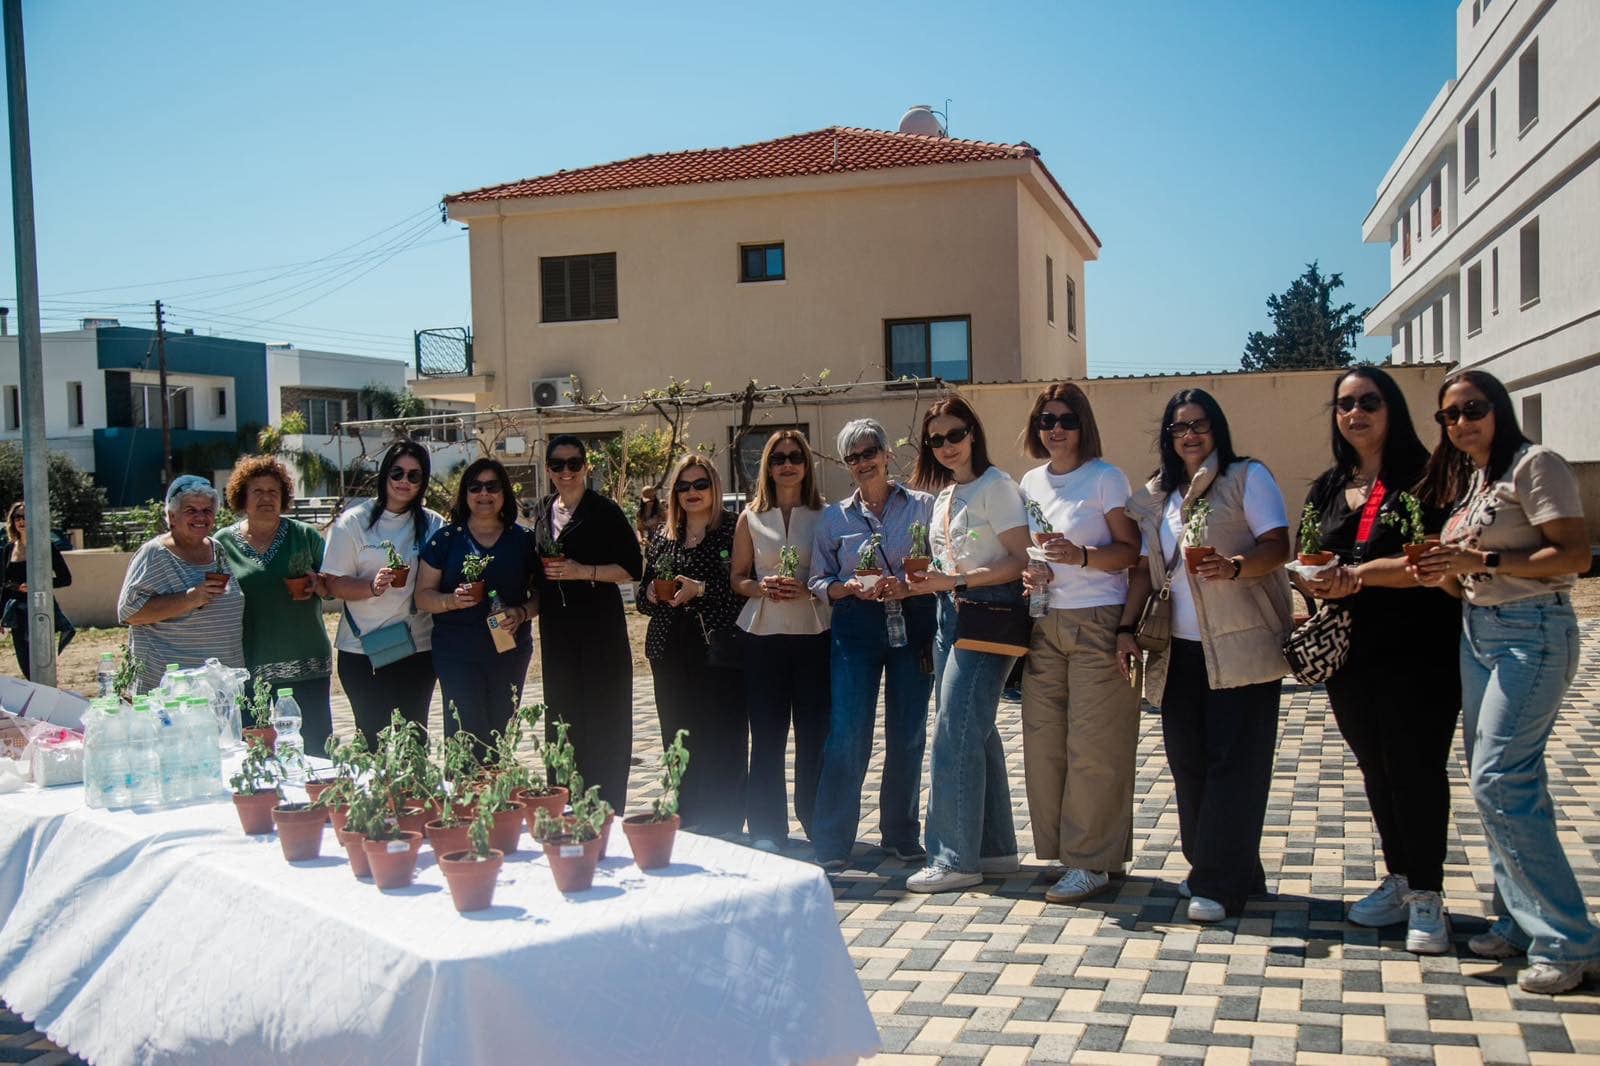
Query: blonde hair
x=767 y=489
x=14 y=513
x=677 y=518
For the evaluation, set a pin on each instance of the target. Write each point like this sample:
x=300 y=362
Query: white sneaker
x=1077 y=884
x=766 y=844
x=936 y=878
x=1428 y=926
x=999 y=864
x=1384 y=905
x=1554 y=978
x=1491 y=945
x=1206 y=910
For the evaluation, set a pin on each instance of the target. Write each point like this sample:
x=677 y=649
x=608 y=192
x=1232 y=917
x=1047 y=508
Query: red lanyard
x=1369 y=514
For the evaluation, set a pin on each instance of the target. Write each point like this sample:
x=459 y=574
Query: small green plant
x=919 y=541
x=549 y=547
x=1036 y=516
x=351 y=760
x=1197 y=517
x=127 y=674
x=788 y=561
x=402 y=769
x=258 y=705
x=560 y=761
x=673 y=764
x=588 y=817
x=473 y=566
x=1310 y=530
x=667 y=567
x=456 y=762
x=259 y=772
x=300 y=564
x=868 y=560
x=1406 y=517
x=371 y=816
x=478 y=834
x=396 y=560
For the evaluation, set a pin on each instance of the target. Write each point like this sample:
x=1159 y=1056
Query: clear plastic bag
x=56 y=758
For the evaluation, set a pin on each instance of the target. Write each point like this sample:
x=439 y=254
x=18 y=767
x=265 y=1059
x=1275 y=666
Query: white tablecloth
x=145 y=937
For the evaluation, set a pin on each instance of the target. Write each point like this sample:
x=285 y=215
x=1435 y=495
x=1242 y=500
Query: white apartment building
x=1492 y=216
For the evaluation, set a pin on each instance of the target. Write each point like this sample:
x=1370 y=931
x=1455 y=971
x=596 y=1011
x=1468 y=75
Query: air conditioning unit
x=553 y=392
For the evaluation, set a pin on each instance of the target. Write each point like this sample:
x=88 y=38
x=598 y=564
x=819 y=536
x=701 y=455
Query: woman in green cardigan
x=276 y=561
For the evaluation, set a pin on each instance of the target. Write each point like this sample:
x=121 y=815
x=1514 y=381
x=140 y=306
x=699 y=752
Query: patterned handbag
x=1318 y=647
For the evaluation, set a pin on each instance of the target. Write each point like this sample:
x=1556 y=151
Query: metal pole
x=166 y=417
x=35 y=454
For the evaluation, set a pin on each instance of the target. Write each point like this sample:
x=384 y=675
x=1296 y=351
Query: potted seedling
x=457 y=763
x=397 y=565
x=505 y=814
x=572 y=845
x=550 y=550
x=1043 y=532
x=255 y=789
x=920 y=557
x=300 y=580
x=471 y=871
x=1311 y=551
x=472 y=568
x=1197 y=516
x=665 y=584
x=1406 y=518
x=216 y=578
x=351 y=761
x=868 y=569
x=391 y=852
x=257 y=708
x=403 y=775
x=651 y=835
x=300 y=828
x=548 y=793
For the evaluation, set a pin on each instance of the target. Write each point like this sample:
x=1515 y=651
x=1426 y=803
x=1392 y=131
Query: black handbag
x=996 y=628
x=724 y=647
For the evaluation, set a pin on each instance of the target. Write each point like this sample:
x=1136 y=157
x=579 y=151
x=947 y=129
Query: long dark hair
x=1404 y=454
x=1449 y=468
x=1172 y=472
x=929 y=474
x=419 y=520
x=508 y=501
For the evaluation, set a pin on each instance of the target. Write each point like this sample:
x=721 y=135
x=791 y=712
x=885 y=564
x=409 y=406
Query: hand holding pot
x=555 y=569
x=204 y=593
x=1215 y=567
x=462 y=598
x=688 y=589
x=381 y=581
x=934 y=581
x=774 y=587
x=1063 y=551
x=1440 y=562
x=1334 y=584
x=890 y=587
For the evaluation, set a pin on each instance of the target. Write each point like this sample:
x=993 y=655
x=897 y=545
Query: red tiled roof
x=835 y=150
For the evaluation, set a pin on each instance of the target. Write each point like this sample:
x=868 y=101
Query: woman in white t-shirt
x=979 y=538
x=1080 y=717
x=377 y=596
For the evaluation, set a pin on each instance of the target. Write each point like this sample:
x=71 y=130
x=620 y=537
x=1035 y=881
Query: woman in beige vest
x=786 y=655
x=1217 y=682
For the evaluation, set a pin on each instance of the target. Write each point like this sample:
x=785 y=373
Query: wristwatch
x=1491 y=560
x=961 y=584
x=1238 y=566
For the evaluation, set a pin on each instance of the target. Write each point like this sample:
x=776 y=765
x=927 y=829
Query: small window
x=1072 y=307
x=1438 y=328
x=1435 y=196
x=1469 y=152
x=74 y=403
x=578 y=288
x=1530 y=263
x=146 y=401
x=761 y=262
x=1494 y=281
x=1528 y=88
x=1533 y=417
x=1494 y=119
x=1474 y=299
x=1475 y=12
x=219 y=408
x=1049 y=289
x=930 y=347
x=1405 y=235
x=13 y=408
x=1408 y=342
x=323 y=416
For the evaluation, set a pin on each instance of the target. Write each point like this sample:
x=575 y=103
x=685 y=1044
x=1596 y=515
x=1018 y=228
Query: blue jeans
x=1517 y=660
x=969 y=801
x=859 y=659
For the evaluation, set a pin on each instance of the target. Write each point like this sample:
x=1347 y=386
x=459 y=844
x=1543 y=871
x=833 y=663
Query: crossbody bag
x=386 y=644
x=996 y=628
x=1319 y=647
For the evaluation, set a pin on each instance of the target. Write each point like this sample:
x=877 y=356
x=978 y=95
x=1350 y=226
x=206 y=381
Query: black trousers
x=485 y=691
x=709 y=702
x=1400 y=720
x=405 y=686
x=587 y=669
x=786 y=679
x=1219 y=746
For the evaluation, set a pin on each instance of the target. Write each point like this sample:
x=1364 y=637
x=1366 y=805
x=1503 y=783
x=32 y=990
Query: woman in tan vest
x=1217 y=682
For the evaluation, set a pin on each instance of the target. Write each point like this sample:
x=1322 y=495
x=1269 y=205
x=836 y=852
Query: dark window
x=1049 y=289
x=1405 y=235
x=1530 y=262
x=1533 y=417
x=1072 y=307
x=1435 y=190
x=1469 y=153
x=930 y=347
x=1494 y=281
x=1408 y=342
x=13 y=408
x=761 y=262
x=1494 y=118
x=1438 y=327
x=74 y=403
x=222 y=403
x=575 y=288
x=1528 y=87
x=147 y=407
x=1474 y=298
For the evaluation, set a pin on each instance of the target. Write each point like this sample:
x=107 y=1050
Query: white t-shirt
x=1075 y=504
x=354 y=550
x=1263 y=511
x=985 y=507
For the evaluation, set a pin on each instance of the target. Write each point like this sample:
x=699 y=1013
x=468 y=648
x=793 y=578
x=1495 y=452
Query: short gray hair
x=856 y=429
x=188 y=487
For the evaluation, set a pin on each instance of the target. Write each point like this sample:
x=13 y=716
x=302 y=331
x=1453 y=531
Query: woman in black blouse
x=1398 y=695
x=699 y=684
x=583 y=631
x=14 y=590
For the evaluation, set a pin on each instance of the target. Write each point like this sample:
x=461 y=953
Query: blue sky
x=1215 y=147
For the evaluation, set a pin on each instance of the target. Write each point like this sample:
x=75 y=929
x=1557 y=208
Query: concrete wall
x=1048 y=349
x=127 y=348
x=91 y=599
x=68 y=357
x=291 y=368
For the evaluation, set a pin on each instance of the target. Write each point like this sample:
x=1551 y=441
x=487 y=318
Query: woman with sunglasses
x=978 y=533
x=585 y=661
x=786 y=652
x=1218 y=680
x=14 y=589
x=862 y=656
x=483 y=682
x=690 y=645
x=1080 y=718
x=1512 y=549
x=356 y=566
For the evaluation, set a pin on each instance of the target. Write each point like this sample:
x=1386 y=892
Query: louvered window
x=575 y=288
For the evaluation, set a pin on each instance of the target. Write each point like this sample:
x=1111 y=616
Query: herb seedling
x=1310 y=530
x=472 y=568
x=396 y=561
x=673 y=764
x=1036 y=516
x=259 y=772
x=919 y=542
x=299 y=565
x=1196 y=519
x=1406 y=518
x=868 y=559
x=788 y=561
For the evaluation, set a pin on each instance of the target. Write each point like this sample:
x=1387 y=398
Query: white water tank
x=920 y=119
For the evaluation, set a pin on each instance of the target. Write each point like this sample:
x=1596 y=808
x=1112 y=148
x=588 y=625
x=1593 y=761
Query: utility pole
x=166 y=420
x=30 y=351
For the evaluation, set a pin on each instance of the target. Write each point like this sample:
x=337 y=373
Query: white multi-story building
x=1492 y=216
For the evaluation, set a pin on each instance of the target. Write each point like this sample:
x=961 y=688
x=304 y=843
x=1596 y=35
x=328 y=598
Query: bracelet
x=1238 y=567
x=1084 y=551
x=1131 y=630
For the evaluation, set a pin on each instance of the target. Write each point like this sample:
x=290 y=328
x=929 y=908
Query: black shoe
x=912 y=852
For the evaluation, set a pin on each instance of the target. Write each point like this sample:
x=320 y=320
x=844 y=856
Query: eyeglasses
x=955 y=436
x=1050 y=420
x=1472 y=411
x=787 y=459
x=865 y=455
x=1200 y=427
x=1370 y=402
x=475 y=487
x=574 y=464
x=401 y=474
x=699 y=484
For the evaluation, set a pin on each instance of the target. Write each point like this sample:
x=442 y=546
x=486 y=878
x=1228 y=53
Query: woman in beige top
x=786 y=655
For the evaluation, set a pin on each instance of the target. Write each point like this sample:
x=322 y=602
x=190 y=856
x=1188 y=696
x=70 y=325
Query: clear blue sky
x=1215 y=147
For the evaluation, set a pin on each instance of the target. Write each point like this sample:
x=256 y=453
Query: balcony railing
x=443 y=352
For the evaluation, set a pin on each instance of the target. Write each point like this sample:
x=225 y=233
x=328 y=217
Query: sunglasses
x=699 y=484
x=573 y=465
x=955 y=436
x=1472 y=411
x=474 y=488
x=1370 y=402
x=399 y=474
x=1200 y=427
x=865 y=455
x=787 y=459
x=1050 y=420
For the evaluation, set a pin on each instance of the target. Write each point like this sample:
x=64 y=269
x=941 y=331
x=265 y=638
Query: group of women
x=791 y=615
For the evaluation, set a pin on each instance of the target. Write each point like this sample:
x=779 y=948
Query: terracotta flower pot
x=1041 y=539
x=665 y=590
x=300 y=587
x=414 y=819
x=605 y=833
x=444 y=839
x=869 y=578
x=651 y=840
x=300 y=831
x=315 y=789
x=353 y=844
x=475 y=590
x=572 y=864
x=553 y=800
x=1315 y=558
x=401 y=573
x=393 y=862
x=507 y=830
x=1192 y=554
x=217 y=580
x=339 y=816
x=546 y=560
x=917 y=564
x=255 y=810
x=471 y=880
x=1415 y=552
x=266 y=734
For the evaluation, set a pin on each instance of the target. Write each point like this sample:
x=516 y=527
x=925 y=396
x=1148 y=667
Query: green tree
x=1307 y=330
x=76 y=502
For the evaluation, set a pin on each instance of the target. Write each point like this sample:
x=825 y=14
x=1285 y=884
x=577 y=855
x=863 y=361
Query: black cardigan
x=16 y=573
x=597 y=533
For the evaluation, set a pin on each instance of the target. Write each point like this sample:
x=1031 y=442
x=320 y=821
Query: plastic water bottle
x=1039 y=601
x=107 y=674
x=94 y=787
x=170 y=754
x=291 y=746
x=894 y=619
x=144 y=761
x=111 y=756
x=200 y=726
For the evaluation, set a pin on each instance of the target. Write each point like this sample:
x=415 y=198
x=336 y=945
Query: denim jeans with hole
x=969 y=799
x=1517 y=660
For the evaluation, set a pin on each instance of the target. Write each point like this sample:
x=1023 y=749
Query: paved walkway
x=996 y=975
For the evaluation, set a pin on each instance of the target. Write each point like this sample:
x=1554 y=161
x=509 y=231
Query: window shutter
x=553 y=289
x=603 y=297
